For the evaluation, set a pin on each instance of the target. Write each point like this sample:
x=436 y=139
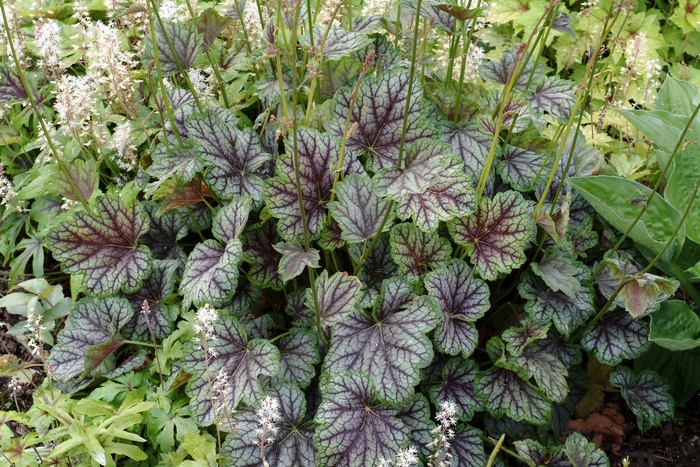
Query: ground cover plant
x=345 y=233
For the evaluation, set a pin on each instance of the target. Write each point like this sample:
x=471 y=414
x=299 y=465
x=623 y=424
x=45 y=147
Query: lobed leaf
x=298 y=356
x=264 y=260
x=359 y=211
x=646 y=394
x=186 y=45
x=458 y=376
x=334 y=297
x=417 y=252
x=211 y=273
x=295 y=258
x=230 y=220
x=616 y=337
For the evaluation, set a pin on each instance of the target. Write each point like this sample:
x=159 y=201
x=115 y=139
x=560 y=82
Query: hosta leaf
x=504 y=392
x=235 y=362
x=298 y=355
x=544 y=305
x=549 y=372
x=558 y=272
x=186 y=43
x=554 y=96
x=154 y=291
x=232 y=157
x=292 y=445
x=391 y=346
x=467 y=448
x=453 y=196
x=358 y=210
x=211 y=273
x=318 y=159
x=463 y=299
x=295 y=258
x=230 y=221
x=336 y=42
x=416 y=417
x=103 y=246
x=379 y=112
x=424 y=165
x=520 y=167
x=616 y=337
x=517 y=339
x=417 y=252
x=335 y=296
x=457 y=385
x=496 y=235
x=646 y=394
x=90 y=336
x=353 y=430
x=263 y=258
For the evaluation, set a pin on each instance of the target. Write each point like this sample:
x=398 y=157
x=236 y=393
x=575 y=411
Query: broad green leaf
x=90 y=336
x=103 y=246
x=358 y=210
x=496 y=235
x=646 y=395
x=233 y=157
x=417 y=252
x=264 y=260
x=318 y=159
x=211 y=273
x=661 y=127
x=681 y=184
x=230 y=220
x=227 y=372
x=520 y=167
x=352 y=429
x=292 y=445
x=463 y=299
x=334 y=296
x=558 y=271
x=390 y=345
x=675 y=326
x=676 y=96
x=504 y=392
x=544 y=305
x=620 y=201
x=185 y=41
x=295 y=258
x=298 y=356
x=554 y=96
x=547 y=370
x=457 y=385
x=378 y=111
x=616 y=337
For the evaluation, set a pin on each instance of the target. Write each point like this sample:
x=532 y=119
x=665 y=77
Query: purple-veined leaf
x=230 y=220
x=153 y=291
x=90 y=336
x=520 y=167
x=292 y=445
x=390 y=346
x=559 y=272
x=386 y=54
x=378 y=265
x=424 y=163
x=353 y=430
x=256 y=328
x=417 y=252
x=569 y=354
x=85 y=177
x=467 y=448
x=338 y=73
x=298 y=355
x=186 y=43
x=499 y=72
x=176 y=194
x=644 y=293
x=549 y=372
x=516 y=113
x=318 y=158
x=177 y=161
x=544 y=305
x=472 y=145
x=457 y=385
x=164 y=231
x=518 y=338
x=379 y=113
x=358 y=210
x=646 y=395
x=416 y=417
x=11 y=87
x=232 y=156
x=234 y=362
x=263 y=258
x=210 y=23
x=295 y=258
x=430 y=9
x=496 y=235
x=335 y=296
x=616 y=337
x=330 y=238
x=463 y=299
x=103 y=246
x=504 y=424
x=554 y=96
x=337 y=42
x=452 y=197
x=531 y=450
x=183 y=104
x=578 y=451
x=211 y=273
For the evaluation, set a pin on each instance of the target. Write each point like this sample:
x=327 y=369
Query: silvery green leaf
x=417 y=252
x=295 y=258
x=186 y=45
x=457 y=385
x=646 y=395
x=174 y=161
x=336 y=42
x=518 y=338
x=559 y=272
x=617 y=337
x=562 y=23
x=416 y=417
x=298 y=356
x=378 y=265
x=358 y=210
x=334 y=296
x=499 y=72
x=520 y=168
x=467 y=447
x=547 y=370
x=230 y=220
x=211 y=273
x=472 y=145
x=264 y=260
x=554 y=96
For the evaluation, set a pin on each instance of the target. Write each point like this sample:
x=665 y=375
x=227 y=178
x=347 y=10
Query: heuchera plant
x=404 y=262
